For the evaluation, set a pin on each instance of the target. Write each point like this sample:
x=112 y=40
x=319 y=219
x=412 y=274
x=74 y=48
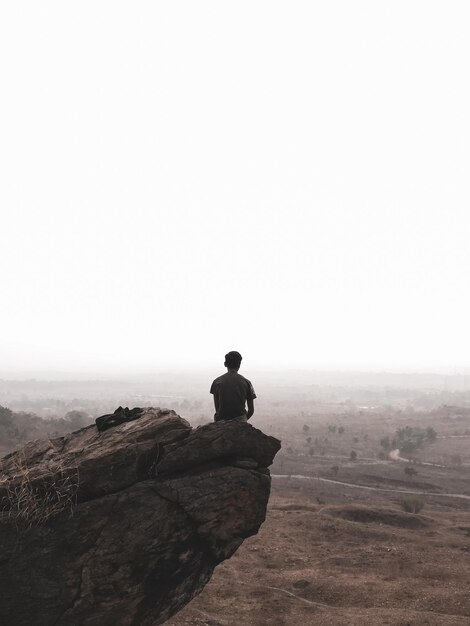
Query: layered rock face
x=125 y=526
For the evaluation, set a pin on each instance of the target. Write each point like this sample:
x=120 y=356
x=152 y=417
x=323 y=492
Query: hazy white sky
x=288 y=179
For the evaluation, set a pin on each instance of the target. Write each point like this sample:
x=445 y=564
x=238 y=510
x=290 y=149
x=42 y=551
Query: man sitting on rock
x=231 y=392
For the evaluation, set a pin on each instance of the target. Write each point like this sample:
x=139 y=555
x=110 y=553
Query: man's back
x=231 y=392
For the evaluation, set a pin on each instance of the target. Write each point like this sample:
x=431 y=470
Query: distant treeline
x=19 y=427
x=409 y=438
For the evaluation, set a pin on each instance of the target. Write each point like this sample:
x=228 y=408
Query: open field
x=337 y=548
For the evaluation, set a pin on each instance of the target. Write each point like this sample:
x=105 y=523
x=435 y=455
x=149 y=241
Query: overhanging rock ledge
x=124 y=527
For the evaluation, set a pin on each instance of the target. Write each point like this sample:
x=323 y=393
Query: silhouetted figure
x=232 y=391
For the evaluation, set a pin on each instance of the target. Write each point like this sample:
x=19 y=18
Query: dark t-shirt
x=232 y=390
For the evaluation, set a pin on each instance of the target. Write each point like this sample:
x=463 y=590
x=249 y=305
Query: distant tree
x=340 y=430
x=356 y=439
x=385 y=443
x=311 y=451
x=410 y=471
x=289 y=450
x=309 y=440
x=353 y=455
x=6 y=416
x=413 y=504
x=77 y=419
x=335 y=470
x=431 y=434
x=306 y=428
x=409 y=438
x=332 y=428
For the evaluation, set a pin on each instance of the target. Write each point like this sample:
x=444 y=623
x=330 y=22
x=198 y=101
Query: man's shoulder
x=245 y=379
x=250 y=388
x=219 y=379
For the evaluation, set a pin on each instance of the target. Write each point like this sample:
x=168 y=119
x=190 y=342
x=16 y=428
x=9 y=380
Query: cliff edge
x=125 y=526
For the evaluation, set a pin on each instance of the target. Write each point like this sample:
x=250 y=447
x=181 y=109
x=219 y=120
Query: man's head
x=233 y=360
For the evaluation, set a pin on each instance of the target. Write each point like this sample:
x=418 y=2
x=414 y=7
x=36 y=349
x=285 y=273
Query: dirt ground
x=336 y=554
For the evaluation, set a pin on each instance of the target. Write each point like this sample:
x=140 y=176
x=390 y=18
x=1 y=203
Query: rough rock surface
x=140 y=516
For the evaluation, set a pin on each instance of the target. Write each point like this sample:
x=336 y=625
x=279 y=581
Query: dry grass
x=33 y=502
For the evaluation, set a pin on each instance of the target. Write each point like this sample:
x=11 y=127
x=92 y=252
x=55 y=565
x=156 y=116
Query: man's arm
x=216 y=406
x=250 y=396
x=214 y=391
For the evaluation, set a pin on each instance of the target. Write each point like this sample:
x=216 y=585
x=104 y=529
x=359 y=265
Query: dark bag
x=119 y=416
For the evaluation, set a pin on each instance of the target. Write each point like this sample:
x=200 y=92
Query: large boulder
x=125 y=526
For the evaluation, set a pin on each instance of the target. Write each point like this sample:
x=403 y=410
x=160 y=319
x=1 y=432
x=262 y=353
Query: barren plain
x=338 y=547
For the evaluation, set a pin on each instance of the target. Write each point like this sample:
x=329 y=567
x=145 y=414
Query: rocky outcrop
x=125 y=526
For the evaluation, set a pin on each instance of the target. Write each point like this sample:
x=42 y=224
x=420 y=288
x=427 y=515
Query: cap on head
x=233 y=359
